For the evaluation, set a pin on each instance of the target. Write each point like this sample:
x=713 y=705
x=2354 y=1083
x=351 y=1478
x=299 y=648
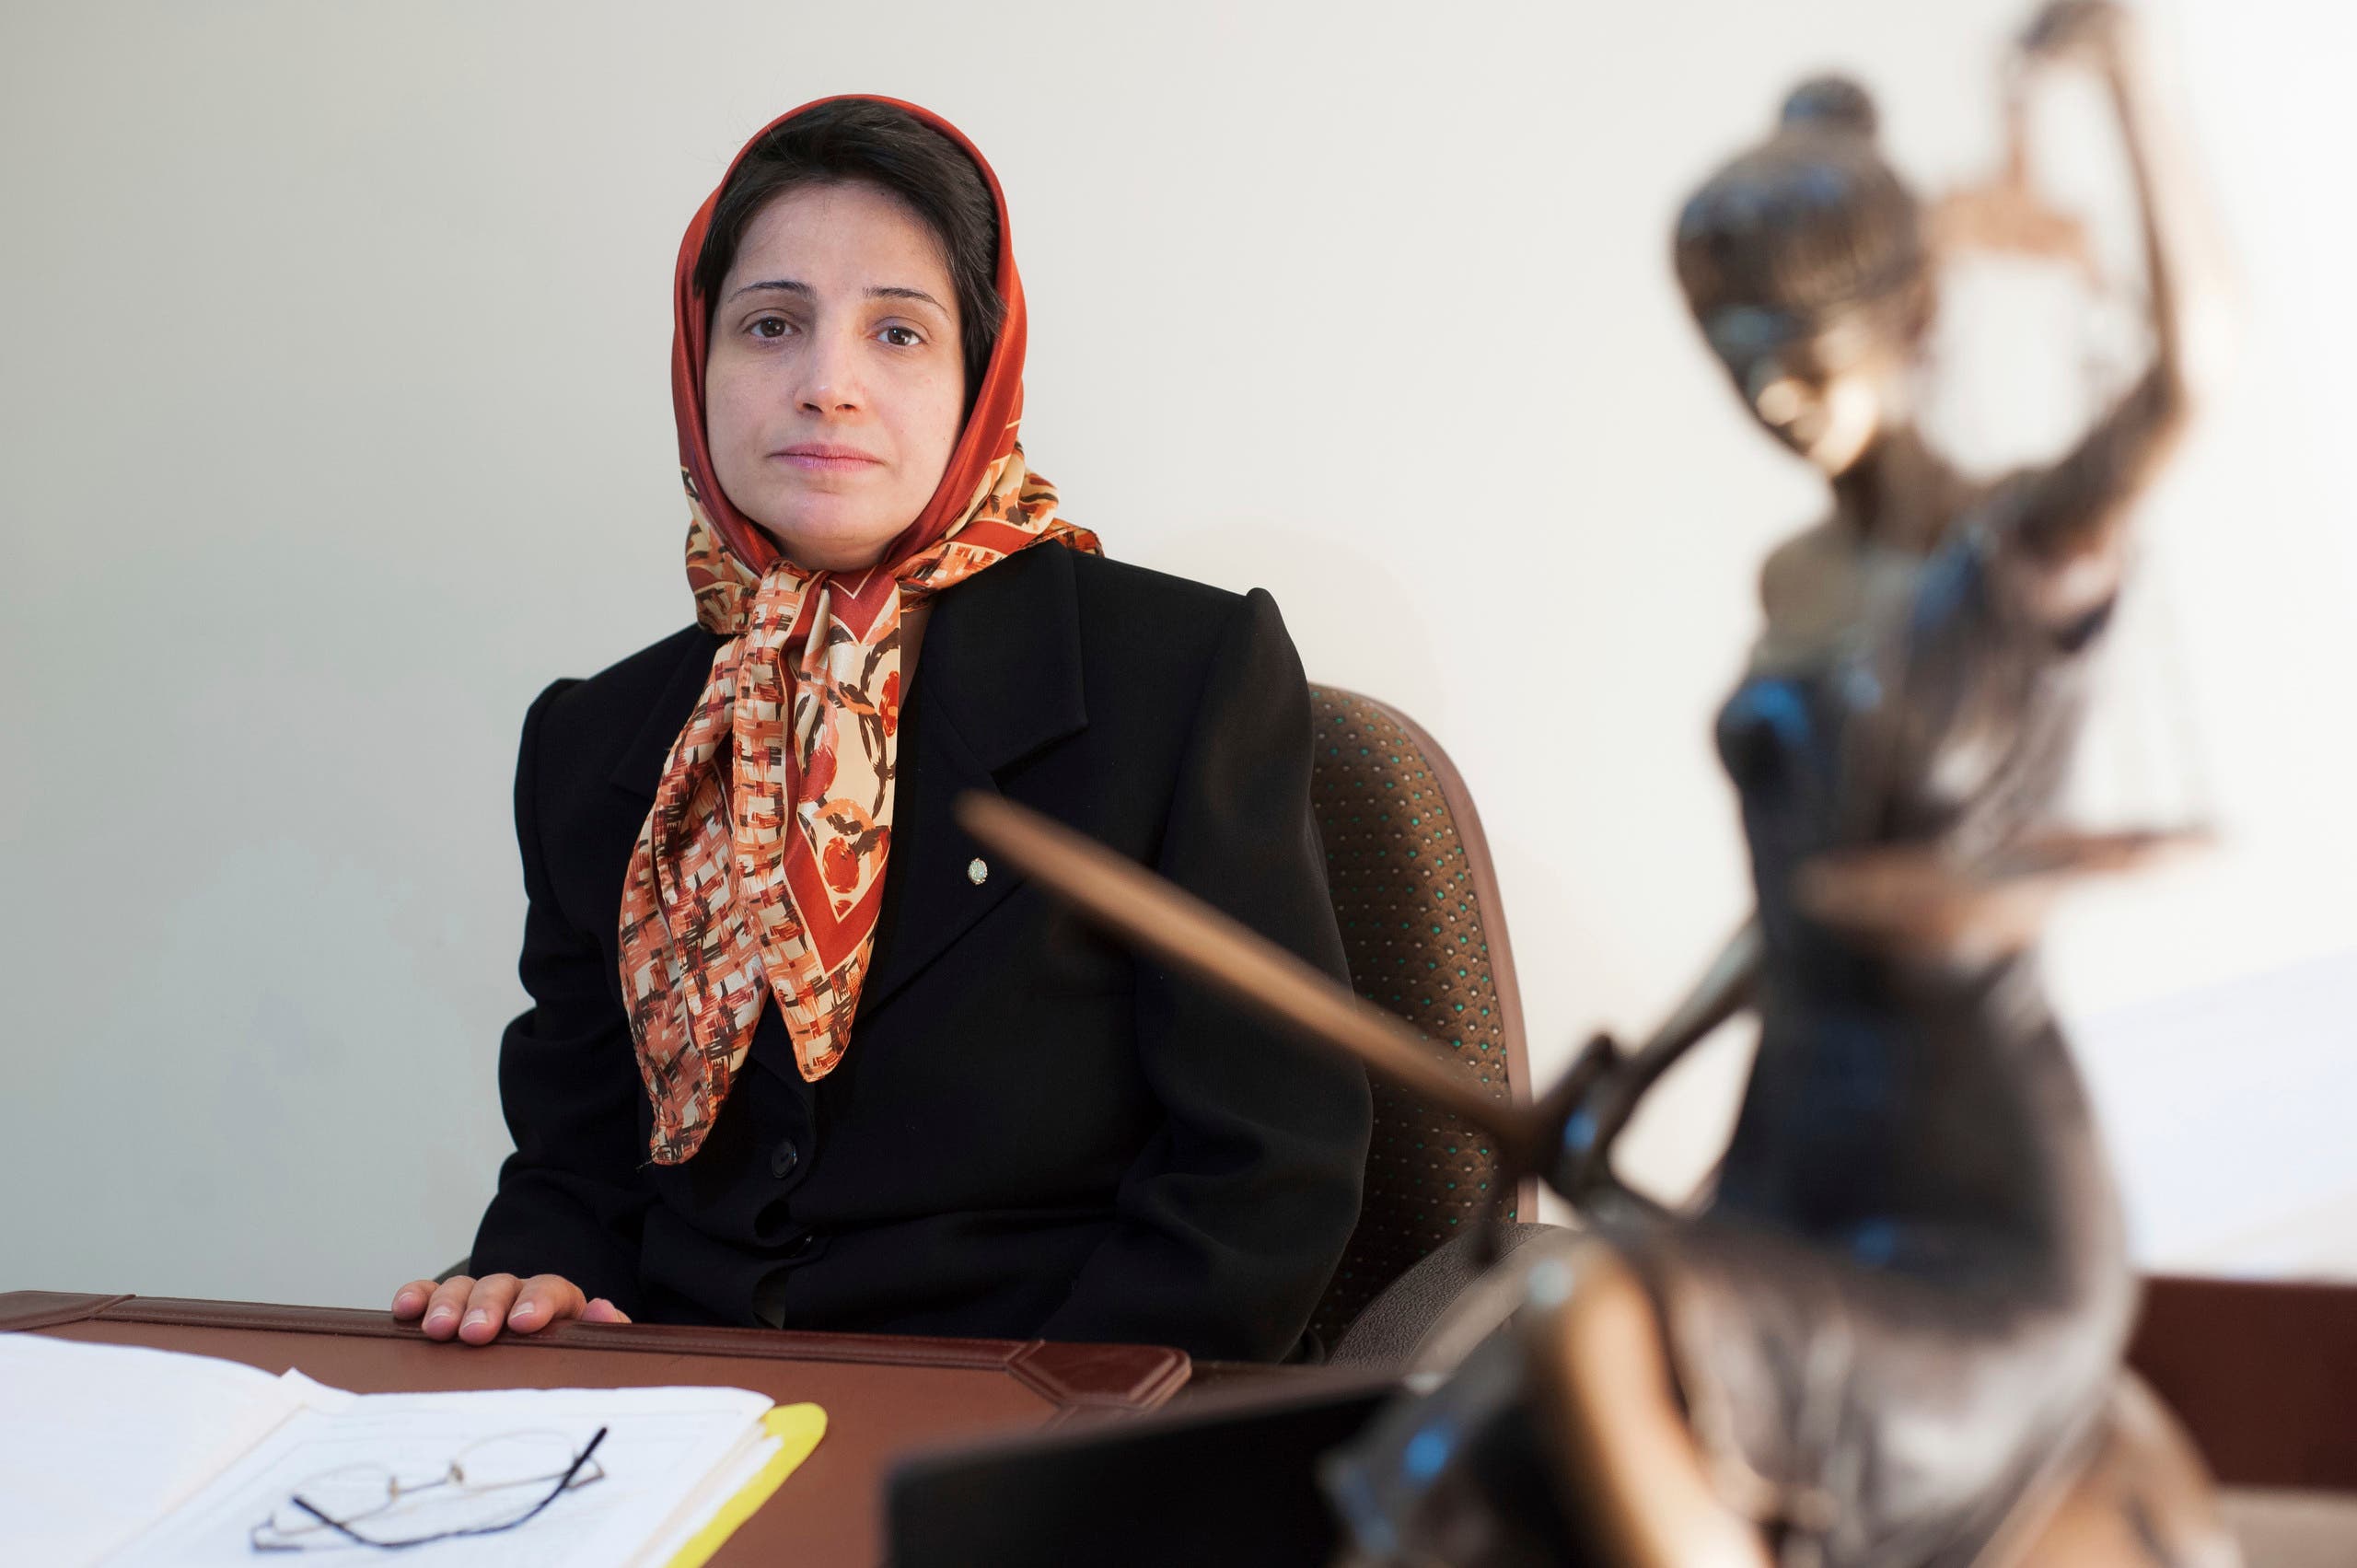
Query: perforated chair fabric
x=1417 y=901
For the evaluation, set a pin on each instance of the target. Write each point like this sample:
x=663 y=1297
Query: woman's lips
x=819 y=458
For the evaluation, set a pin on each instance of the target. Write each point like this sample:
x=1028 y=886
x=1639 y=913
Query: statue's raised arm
x=2064 y=529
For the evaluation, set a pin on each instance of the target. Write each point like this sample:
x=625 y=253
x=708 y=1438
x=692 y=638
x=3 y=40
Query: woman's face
x=834 y=380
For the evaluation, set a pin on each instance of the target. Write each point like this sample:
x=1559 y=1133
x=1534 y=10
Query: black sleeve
x=568 y=1202
x=1234 y=1218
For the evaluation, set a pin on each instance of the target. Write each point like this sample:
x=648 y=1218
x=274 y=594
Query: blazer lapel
x=998 y=679
x=640 y=772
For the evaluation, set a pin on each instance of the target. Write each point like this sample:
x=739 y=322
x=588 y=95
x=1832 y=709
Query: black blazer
x=1033 y=1132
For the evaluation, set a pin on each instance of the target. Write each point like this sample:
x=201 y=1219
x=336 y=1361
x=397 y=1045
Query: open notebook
x=129 y=1458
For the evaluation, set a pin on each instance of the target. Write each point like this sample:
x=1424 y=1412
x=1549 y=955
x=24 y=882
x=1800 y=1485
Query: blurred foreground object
x=1892 y=1333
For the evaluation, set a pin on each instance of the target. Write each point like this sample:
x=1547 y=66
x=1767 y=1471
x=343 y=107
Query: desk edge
x=1069 y=1376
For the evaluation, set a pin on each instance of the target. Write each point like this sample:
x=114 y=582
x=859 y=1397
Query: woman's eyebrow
x=908 y=294
x=776 y=285
x=789 y=286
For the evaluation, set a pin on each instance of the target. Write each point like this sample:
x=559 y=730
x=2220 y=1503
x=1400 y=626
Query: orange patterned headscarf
x=759 y=871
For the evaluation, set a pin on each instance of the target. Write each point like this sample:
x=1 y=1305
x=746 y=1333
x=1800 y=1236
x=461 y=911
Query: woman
x=798 y=1055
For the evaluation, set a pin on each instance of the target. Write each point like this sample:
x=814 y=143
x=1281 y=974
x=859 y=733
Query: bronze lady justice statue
x=1893 y=1332
x=1903 y=1306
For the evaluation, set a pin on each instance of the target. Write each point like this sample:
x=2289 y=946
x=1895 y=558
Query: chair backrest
x=1417 y=899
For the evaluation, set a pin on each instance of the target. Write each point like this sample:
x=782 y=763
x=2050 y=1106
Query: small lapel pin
x=977 y=872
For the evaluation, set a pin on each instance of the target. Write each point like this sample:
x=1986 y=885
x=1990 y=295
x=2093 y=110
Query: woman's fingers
x=545 y=1299
x=487 y=1307
x=473 y=1310
x=443 y=1306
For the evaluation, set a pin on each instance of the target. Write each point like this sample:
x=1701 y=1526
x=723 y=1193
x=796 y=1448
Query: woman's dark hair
x=1811 y=223
x=873 y=143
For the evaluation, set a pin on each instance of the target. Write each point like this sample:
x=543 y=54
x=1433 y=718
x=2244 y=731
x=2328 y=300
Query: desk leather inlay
x=21 y=1310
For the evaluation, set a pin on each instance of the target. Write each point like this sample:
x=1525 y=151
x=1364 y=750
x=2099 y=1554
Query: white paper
x=661 y=1447
x=96 y=1440
x=698 y=1510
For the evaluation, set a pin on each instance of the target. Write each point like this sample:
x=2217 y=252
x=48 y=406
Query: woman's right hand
x=473 y=1310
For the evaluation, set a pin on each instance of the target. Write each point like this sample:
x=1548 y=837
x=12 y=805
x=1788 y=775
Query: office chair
x=1426 y=936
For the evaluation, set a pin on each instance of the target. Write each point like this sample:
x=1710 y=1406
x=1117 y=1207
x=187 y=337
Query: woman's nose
x=830 y=383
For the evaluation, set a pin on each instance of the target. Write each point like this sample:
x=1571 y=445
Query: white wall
x=333 y=422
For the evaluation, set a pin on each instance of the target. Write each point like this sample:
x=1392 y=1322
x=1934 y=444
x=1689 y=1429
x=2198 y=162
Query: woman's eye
x=769 y=327
x=902 y=337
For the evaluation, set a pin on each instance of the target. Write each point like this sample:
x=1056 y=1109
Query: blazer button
x=783 y=1159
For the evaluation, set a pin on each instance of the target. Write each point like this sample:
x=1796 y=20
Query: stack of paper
x=134 y=1457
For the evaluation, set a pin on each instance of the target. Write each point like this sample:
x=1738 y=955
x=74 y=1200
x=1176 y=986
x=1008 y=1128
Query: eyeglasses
x=489 y=1486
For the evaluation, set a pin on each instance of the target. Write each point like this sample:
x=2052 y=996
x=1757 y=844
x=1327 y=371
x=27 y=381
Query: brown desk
x=2263 y=1373
x=884 y=1395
